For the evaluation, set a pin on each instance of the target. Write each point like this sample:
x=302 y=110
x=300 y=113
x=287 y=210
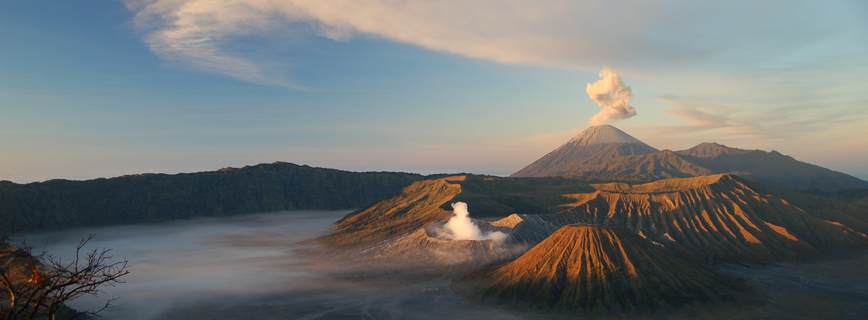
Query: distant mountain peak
x=593 y=146
x=602 y=134
x=711 y=149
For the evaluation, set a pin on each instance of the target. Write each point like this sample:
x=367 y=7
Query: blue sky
x=104 y=88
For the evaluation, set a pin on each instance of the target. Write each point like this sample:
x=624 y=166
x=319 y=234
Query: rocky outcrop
x=418 y=206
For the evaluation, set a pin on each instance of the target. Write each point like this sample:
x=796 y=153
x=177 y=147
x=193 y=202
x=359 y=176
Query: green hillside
x=61 y=204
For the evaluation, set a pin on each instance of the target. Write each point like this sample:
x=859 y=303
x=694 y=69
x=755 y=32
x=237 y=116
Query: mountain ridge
x=721 y=218
x=147 y=198
x=606 y=160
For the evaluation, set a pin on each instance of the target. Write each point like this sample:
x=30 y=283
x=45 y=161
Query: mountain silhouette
x=604 y=152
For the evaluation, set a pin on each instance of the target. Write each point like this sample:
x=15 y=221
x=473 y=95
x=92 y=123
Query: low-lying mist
x=175 y=264
x=253 y=267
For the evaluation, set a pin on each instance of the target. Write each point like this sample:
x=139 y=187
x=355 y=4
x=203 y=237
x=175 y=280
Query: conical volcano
x=593 y=146
x=596 y=269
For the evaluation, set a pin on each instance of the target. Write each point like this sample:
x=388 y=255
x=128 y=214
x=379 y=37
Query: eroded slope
x=418 y=206
x=719 y=218
x=596 y=269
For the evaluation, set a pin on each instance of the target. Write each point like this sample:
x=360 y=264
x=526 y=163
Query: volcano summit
x=593 y=146
x=606 y=152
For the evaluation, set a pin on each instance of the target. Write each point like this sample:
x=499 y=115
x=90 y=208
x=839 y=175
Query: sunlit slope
x=596 y=269
x=416 y=207
x=720 y=218
x=715 y=218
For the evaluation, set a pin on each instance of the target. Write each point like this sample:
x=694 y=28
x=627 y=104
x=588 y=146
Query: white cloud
x=613 y=96
x=574 y=34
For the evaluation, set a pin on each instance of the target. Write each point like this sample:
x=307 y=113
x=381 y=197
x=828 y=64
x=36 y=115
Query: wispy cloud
x=574 y=34
x=705 y=117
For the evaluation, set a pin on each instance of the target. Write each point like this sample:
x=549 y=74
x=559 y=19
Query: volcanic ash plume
x=613 y=96
x=462 y=228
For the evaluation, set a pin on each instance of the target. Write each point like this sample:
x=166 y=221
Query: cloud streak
x=574 y=34
x=710 y=117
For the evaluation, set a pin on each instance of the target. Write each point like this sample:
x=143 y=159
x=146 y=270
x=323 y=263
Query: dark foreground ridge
x=147 y=198
x=597 y=269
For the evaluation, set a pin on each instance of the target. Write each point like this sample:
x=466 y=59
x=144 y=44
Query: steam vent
x=596 y=269
x=437 y=244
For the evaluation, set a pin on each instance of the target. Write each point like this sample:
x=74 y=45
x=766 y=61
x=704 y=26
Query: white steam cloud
x=462 y=227
x=613 y=96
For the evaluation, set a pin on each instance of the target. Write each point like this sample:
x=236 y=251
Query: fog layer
x=254 y=267
x=176 y=264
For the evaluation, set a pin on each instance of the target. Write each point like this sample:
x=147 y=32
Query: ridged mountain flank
x=593 y=146
x=596 y=269
x=722 y=218
x=417 y=206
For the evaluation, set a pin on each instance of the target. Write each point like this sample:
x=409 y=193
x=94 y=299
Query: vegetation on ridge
x=144 y=198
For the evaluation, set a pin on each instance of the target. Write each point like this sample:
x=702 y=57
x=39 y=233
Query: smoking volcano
x=462 y=227
x=460 y=239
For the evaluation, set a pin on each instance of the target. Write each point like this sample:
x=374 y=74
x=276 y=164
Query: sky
x=104 y=88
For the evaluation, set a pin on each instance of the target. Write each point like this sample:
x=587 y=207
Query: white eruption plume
x=462 y=228
x=613 y=96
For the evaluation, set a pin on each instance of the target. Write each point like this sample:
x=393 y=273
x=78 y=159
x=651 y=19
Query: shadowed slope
x=418 y=206
x=770 y=167
x=593 y=146
x=596 y=269
x=605 y=152
x=720 y=218
x=150 y=198
x=653 y=166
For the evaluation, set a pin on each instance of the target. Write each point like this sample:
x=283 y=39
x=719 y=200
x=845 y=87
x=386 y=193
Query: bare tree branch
x=37 y=284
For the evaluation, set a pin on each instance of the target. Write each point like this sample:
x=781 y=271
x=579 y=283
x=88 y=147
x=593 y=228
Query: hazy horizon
x=105 y=88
